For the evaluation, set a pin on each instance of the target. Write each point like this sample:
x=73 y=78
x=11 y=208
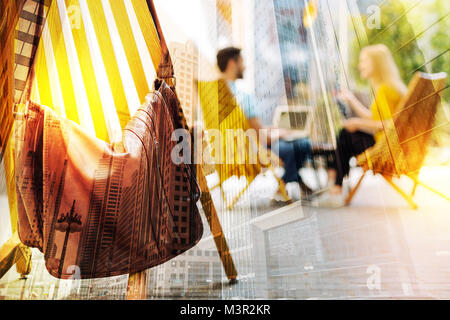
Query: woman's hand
x=360 y=110
x=346 y=96
x=352 y=124
x=278 y=133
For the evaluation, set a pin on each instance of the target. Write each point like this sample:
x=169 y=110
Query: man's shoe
x=304 y=188
x=279 y=200
x=328 y=200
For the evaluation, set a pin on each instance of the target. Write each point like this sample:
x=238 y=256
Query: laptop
x=298 y=119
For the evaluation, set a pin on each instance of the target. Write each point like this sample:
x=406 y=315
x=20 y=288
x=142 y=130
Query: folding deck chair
x=14 y=252
x=406 y=136
x=240 y=156
x=17 y=49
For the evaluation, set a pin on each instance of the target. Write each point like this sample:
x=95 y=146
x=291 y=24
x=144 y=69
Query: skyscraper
x=185 y=61
x=98 y=236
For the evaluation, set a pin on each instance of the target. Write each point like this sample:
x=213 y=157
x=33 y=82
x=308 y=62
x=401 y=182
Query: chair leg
x=407 y=197
x=10 y=254
x=224 y=196
x=215 y=186
x=355 y=188
x=281 y=186
x=23 y=263
x=236 y=198
x=413 y=191
x=6 y=261
x=316 y=173
x=417 y=182
x=137 y=286
x=216 y=228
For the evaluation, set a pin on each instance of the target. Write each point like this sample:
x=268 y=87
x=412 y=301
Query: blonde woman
x=360 y=133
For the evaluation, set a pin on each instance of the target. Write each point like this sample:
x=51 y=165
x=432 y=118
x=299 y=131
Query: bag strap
x=37 y=35
x=165 y=68
x=26 y=94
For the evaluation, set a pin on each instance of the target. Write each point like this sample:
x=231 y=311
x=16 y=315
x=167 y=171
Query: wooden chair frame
x=222 y=112
x=420 y=81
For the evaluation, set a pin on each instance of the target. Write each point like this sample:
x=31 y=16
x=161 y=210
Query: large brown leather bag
x=99 y=210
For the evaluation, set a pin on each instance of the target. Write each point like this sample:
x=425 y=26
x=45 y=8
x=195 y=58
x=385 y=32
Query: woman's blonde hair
x=385 y=70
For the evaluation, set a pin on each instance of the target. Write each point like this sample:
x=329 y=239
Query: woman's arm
x=267 y=134
x=263 y=134
x=365 y=125
x=360 y=110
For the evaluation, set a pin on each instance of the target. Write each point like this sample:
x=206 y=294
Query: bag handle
x=26 y=94
x=165 y=69
x=38 y=31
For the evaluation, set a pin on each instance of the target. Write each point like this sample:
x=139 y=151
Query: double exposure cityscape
x=224 y=150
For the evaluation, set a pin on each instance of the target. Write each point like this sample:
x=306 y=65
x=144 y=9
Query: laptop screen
x=296 y=120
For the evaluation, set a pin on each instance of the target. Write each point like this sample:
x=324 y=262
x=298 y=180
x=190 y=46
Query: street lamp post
x=68 y=223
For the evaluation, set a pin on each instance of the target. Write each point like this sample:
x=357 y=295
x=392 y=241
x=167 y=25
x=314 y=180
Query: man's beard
x=240 y=75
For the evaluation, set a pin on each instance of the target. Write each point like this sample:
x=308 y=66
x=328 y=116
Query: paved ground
x=376 y=248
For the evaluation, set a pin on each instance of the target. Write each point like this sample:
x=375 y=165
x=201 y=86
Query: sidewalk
x=376 y=248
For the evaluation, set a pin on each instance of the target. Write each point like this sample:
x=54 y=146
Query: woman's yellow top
x=385 y=105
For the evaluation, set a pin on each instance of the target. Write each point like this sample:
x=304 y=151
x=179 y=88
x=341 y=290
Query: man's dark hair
x=225 y=55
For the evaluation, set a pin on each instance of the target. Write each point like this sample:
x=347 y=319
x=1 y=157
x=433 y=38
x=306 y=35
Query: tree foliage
x=402 y=27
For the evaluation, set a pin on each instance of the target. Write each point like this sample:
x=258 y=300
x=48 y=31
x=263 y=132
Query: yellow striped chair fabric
x=96 y=62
